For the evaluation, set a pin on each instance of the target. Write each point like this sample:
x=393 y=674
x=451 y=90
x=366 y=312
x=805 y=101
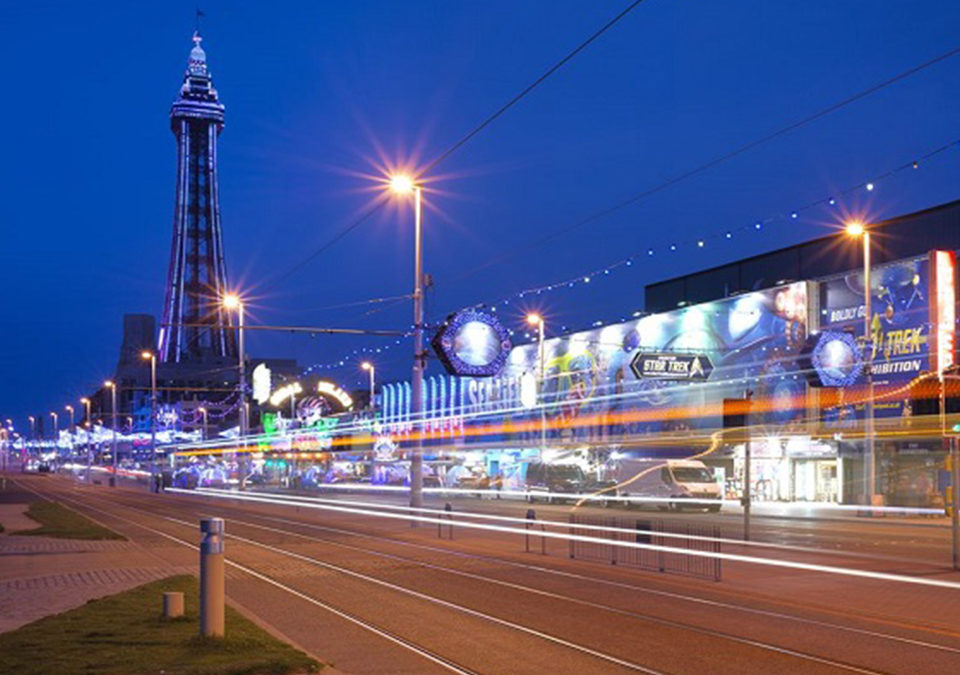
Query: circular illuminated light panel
x=472 y=343
x=836 y=359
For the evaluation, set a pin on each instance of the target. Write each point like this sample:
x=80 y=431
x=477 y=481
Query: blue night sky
x=320 y=95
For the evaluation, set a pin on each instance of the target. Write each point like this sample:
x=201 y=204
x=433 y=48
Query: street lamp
x=113 y=410
x=33 y=426
x=152 y=358
x=69 y=409
x=858 y=229
x=203 y=427
x=232 y=301
x=534 y=319
x=370 y=368
x=86 y=405
x=56 y=430
x=403 y=185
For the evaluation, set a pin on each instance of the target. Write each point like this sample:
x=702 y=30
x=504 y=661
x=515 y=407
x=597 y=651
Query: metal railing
x=642 y=531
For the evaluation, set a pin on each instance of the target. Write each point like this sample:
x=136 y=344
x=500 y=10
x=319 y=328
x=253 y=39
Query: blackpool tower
x=195 y=327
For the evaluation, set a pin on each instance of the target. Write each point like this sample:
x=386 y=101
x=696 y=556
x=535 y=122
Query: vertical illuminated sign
x=943 y=309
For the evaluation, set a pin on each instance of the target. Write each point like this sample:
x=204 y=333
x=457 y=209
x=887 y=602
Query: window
x=692 y=474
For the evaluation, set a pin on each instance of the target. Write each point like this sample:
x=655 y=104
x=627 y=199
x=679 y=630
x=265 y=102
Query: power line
x=328 y=244
x=463 y=141
x=536 y=243
x=536 y=83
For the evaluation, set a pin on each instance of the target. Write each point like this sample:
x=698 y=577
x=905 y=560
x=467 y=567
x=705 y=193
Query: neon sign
x=330 y=389
x=944 y=309
x=285 y=392
x=261 y=383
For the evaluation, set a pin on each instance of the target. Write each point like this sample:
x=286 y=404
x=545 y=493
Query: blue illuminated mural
x=899 y=325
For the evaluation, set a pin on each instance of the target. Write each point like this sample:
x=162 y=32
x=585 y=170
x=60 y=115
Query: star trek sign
x=689 y=367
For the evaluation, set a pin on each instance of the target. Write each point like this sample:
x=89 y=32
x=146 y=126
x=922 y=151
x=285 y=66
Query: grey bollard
x=172 y=605
x=211 y=578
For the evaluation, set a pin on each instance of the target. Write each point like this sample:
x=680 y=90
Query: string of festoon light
x=831 y=201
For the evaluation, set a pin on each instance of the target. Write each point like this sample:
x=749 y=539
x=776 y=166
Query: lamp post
x=370 y=368
x=203 y=423
x=33 y=426
x=89 y=427
x=403 y=185
x=113 y=411
x=69 y=409
x=537 y=320
x=56 y=430
x=232 y=301
x=856 y=229
x=152 y=358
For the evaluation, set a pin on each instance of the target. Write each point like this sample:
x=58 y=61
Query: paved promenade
x=40 y=576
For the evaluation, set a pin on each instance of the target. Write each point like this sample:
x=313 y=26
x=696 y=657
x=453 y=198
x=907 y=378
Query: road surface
x=375 y=595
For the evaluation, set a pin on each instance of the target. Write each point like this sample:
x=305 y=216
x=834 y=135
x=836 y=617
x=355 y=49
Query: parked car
x=550 y=481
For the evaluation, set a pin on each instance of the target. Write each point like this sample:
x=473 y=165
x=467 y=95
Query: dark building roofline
x=934 y=227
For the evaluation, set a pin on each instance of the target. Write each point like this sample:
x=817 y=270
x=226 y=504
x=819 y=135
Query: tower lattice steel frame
x=195 y=326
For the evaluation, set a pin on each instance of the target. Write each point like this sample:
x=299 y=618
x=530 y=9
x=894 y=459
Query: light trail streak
x=566 y=598
x=439 y=513
x=733 y=557
x=632 y=587
x=595 y=580
x=401 y=589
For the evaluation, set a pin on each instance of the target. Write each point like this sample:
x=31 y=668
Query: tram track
x=430 y=654
x=810 y=658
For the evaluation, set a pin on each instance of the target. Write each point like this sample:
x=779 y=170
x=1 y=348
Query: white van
x=668 y=483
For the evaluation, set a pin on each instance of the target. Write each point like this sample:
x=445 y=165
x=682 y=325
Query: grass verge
x=124 y=635
x=58 y=521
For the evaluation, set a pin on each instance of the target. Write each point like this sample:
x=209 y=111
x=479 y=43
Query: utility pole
x=747 y=480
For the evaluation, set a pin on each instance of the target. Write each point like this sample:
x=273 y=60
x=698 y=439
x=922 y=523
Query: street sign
x=667 y=366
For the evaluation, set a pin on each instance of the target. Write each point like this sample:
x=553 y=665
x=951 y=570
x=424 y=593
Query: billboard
x=680 y=361
x=899 y=325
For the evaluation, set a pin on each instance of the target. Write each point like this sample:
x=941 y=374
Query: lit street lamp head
x=401 y=184
x=855 y=229
x=68 y=408
x=366 y=365
x=231 y=301
x=108 y=383
x=145 y=355
x=534 y=319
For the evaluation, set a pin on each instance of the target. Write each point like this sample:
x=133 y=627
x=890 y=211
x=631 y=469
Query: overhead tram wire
x=537 y=243
x=536 y=83
x=603 y=272
x=463 y=141
x=364 y=217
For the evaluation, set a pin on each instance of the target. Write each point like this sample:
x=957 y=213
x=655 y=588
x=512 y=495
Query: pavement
x=40 y=576
x=375 y=595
